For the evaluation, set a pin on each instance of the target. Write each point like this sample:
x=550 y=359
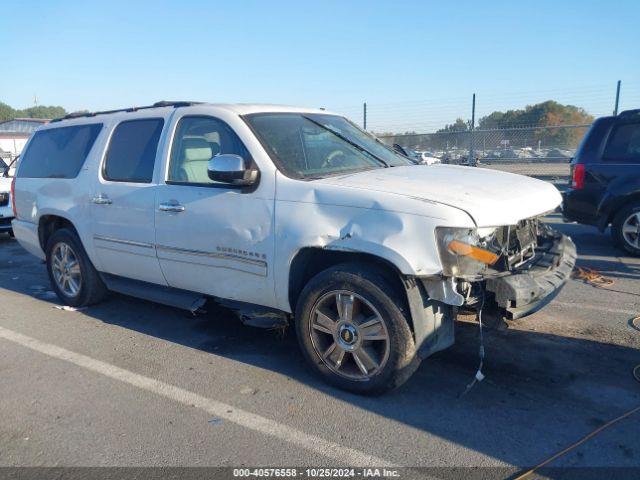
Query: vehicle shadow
x=542 y=391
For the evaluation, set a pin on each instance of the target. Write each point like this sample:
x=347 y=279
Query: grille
x=4 y=199
x=517 y=242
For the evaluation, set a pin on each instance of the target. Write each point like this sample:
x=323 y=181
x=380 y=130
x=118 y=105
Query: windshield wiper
x=345 y=139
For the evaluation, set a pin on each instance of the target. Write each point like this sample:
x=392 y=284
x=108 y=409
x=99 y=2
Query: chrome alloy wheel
x=631 y=230
x=349 y=335
x=66 y=269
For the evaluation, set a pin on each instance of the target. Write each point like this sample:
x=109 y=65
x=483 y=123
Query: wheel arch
x=614 y=205
x=310 y=261
x=49 y=223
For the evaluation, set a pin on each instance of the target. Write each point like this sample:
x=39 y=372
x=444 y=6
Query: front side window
x=318 y=145
x=58 y=152
x=196 y=141
x=624 y=144
x=132 y=151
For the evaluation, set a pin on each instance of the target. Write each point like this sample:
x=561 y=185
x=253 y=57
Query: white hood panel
x=490 y=197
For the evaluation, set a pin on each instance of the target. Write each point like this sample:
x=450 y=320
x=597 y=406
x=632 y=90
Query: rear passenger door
x=122 y=203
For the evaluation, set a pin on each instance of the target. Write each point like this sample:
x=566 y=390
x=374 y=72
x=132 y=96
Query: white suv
x=286 y=213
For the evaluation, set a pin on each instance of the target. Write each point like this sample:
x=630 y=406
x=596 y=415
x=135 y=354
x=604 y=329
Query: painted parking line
x=596 y=308
x=251 y=421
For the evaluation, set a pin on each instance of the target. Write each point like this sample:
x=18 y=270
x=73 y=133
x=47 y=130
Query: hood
x=490 y=197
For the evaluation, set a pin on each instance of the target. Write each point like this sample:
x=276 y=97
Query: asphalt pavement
x=132 y=383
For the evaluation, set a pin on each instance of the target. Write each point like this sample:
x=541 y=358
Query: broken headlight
x=466 y=252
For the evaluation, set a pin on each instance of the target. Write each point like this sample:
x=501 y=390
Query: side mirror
x=231 y=169
x=398 y=148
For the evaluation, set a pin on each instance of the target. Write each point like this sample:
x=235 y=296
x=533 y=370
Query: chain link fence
x=532 y=133
x=543 y=152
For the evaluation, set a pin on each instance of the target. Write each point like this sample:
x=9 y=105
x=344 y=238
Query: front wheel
x=353 y=329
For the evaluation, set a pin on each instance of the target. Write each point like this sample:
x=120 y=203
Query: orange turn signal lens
x=479 y=254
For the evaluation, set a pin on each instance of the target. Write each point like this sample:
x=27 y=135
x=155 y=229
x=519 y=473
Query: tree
x=458 y=126
x=6 y=112
x=41 y=111
x=541 y=115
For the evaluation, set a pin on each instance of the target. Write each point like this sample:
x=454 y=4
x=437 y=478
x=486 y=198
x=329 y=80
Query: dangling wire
x=479 y=376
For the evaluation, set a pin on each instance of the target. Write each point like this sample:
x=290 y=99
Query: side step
x=170 y=296
x=256 y=315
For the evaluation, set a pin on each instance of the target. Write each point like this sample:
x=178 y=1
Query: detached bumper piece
x=526 y=291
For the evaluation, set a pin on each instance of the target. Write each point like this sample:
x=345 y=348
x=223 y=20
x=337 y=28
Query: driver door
x=211 y=237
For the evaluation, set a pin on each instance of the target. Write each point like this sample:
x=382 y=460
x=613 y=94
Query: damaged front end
x=509 y=271
x=517 y=268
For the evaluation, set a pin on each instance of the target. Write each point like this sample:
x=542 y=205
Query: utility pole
x=615 y=110
x=472 y=159
x=364 y=115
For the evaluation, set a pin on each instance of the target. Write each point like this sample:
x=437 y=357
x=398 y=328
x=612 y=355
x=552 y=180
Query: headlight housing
x=465 y=252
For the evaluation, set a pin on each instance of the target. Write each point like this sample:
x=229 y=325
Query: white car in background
x=427 y=159
x=286 y=213
x=6 y=212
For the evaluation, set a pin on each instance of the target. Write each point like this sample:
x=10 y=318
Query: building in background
x=15 y=133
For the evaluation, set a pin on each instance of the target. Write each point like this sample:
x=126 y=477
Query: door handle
x=171 y=207
x=101 y=200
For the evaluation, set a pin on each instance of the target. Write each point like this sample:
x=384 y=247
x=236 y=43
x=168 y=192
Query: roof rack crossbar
x=160 y=104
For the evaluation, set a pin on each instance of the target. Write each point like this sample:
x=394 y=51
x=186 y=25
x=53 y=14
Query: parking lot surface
x=131 y=383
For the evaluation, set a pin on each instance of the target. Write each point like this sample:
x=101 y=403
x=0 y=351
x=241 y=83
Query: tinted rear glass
x=624 y=143
x=590 y=148
x=132 y=151
x=58 y=152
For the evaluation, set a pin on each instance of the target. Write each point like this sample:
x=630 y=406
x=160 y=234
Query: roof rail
x=629 y=113
x=176 y=104
x=162 y=103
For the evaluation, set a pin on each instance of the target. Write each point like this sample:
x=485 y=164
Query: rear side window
x=591 y=144
x=58 y=152
x=132 y=151
x=624 y=143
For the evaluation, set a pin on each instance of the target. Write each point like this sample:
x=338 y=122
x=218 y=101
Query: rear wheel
x=352 y=328
x=72 y=275
x=625 y=228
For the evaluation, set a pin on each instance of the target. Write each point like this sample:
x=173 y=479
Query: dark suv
x=605 y=179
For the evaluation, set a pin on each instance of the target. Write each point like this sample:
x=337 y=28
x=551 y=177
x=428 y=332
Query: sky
x=413 y=62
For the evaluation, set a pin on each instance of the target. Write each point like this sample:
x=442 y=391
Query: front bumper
x=524 y=292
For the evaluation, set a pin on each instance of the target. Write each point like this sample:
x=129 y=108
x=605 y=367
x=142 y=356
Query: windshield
x=317 y=145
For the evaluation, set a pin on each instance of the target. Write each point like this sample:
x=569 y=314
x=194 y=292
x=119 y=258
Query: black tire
x=617 y=225
x=92 y=290
x=10 y=232
x=372 y=285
